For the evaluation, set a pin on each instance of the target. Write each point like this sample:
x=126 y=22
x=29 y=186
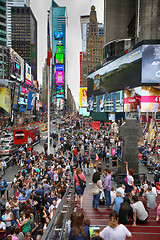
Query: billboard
x=27 y=74
x=59 y=49
x=151 y=64
x=83 y=97
x=150 y=99
x=83 y=111
x=110 y=102
x=59 y=57
x=146 y=98
x=23 y=97
x=132 y=100
x=60 y=103
x=5 y=101
x=59 y=67
x=60 y=90
x=15 y=98
x=60 y=77
x=90 y=104
x=16 y=66
x=31 y=100
x=58 y=35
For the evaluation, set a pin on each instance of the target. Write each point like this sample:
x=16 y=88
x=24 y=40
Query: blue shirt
x=117 y=203
x=22 y=198
x=2 y=185
x=86 y=231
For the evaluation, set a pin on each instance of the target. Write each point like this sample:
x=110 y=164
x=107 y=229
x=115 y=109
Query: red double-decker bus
x=26 y=133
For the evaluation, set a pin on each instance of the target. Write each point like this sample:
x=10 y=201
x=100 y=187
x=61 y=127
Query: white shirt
x=2 y=225
x=130 y=179
x=3 y=164
x=121 y=190
x=120 y=233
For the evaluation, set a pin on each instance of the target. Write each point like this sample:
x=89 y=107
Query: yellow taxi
x=44 y=128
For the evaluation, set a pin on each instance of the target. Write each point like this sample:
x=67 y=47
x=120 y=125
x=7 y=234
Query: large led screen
x=60 y=103
x=59 y=67
x=16 y=66
x=116 y=75
x=58 y=35
x=59 y=58
x=132 y=100
x=28 y=74
x=15 y=98
x=110 y=102
x=5 y=101
x=151 y=64
x=60 y=77
x=90 y=104
x=59 y=49
x=31 y=100
x=60 y=90
x=83 y=97
x=144 y=98
x=83 y=111
x=23 y=96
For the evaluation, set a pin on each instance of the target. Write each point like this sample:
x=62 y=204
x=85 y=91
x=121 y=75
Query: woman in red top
x=78 y=189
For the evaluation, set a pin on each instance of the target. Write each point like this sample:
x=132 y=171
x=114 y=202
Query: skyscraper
x=58 y=22
x=24 y=35
x=93 y=55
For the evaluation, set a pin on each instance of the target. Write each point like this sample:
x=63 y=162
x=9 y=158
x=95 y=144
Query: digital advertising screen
x=31 y=100
x=58 y=35
x=151 y=64
x=60 y=90
x=60 y=77
x=150 y=99
x=83 y=97
x=5 y=101
x=60 y=103
x=23 y=96
x=59 y=49
x=59 y=58
x=132 y=100
x=117 y=75
x=83 y=111
x=110 y=102
x=16 y=66
x=27 y=74
x=90 y=104
x=59 y=67
x=15 y=98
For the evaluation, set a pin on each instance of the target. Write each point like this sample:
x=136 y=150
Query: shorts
x=79 y=191
x=114 y=164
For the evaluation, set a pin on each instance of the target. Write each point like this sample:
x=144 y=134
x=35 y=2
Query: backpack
x=5 y=183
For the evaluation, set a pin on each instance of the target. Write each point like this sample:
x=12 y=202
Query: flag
x=49 y=50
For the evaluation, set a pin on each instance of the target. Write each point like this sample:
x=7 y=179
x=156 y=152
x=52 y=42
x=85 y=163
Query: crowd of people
x=42 y=182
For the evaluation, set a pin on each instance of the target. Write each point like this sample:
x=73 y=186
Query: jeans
x=95 y=200
x=107 y=197
x=16 y=214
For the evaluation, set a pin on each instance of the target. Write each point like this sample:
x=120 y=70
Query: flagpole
x=48 y=69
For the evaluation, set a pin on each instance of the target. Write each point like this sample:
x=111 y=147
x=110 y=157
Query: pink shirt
x=82 y=176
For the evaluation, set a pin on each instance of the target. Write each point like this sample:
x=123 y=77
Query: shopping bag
x=102 y=199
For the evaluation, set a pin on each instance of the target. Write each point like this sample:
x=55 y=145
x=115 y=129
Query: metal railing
x=58 y=226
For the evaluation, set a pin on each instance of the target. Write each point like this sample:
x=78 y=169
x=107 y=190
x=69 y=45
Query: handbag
x=102 y=199
x=81 y=182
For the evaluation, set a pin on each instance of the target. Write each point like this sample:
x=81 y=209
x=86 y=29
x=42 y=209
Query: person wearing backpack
x=3 y=185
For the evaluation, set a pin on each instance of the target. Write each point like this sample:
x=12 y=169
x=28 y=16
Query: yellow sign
x=83 y=97
x=5 y=100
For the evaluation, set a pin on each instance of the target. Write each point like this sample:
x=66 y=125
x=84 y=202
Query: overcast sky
x=75 y=8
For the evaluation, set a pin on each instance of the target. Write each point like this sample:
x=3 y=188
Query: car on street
x=7 y=143
x=7 y=150
x=6 y=137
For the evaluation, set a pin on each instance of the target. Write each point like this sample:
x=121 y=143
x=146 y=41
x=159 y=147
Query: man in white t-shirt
x=2 y=227
x=121 y=190
x=139 y=212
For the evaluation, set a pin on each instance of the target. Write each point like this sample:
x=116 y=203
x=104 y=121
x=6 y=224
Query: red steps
x=100 y=217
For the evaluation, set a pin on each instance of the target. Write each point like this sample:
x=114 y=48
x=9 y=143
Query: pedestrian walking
x=79 y=178
x=3 y=167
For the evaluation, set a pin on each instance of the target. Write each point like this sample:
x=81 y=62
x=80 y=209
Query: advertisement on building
x=59 y=58
x=150 y=99
x=59 y=49
x=58 y=35
x=27 y=74
x=60 y=90
x=15 y=98
x=83 y=97
x=90 y=104
x=59 y=67
x=33 y=46
x=81 y=57
x=23 y=97
x=83 y=111
x=60 y=103
x=37 y=101
x=132 y=100
x=16 y=66
x=151 y=64
x=60 y=77
x=31 y=100
x=5 y=101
